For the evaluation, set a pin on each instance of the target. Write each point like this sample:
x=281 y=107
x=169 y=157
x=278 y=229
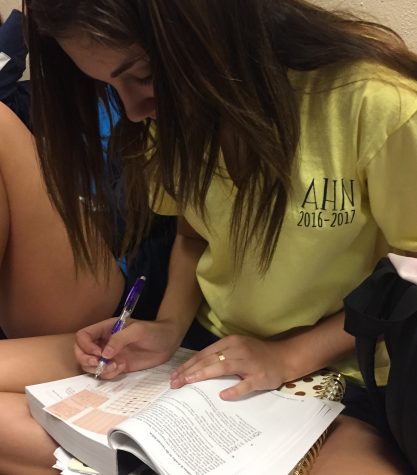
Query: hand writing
x=141 y=345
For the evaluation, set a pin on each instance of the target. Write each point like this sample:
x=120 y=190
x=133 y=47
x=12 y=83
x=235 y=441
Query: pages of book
x=68 y=465
x=79 y=425
x=193 y=431
x=184 y=431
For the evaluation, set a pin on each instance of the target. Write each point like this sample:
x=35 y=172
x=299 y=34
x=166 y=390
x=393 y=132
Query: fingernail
x=191 y=378
x=92 y=361
x=174 y=383
x=108 y=352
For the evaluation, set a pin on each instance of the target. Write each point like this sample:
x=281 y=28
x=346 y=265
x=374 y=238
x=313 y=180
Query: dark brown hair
x=217 y=65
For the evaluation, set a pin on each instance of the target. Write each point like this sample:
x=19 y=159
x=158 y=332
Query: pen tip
x=99 y=369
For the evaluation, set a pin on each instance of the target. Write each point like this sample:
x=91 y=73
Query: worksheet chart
x=139 y=395
x=100 y=410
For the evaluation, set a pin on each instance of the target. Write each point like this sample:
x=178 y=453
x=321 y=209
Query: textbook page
x=68 y=465
x=79 y=411
x=191 y=431
x=83 y=444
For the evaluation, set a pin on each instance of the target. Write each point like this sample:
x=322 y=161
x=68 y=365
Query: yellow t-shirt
x=354 y=196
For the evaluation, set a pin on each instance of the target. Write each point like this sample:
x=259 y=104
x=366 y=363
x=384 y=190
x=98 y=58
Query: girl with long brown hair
x=283 y=137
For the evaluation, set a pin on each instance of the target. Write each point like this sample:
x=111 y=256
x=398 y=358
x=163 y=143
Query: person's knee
x=25 y=447
x=25 y=361
x=353 y=446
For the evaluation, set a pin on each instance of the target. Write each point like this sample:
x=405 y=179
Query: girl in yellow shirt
x=260 y=124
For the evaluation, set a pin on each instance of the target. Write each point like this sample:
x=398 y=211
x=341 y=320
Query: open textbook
x=187 y=431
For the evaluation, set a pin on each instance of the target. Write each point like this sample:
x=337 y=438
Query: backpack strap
x=386 y=304
x=363 y=309
x=365 y=304
x=407 y=303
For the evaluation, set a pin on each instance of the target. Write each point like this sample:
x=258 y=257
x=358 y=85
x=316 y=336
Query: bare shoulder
x=13 y=131
x=8 y=118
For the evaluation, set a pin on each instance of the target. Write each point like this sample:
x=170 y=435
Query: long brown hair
x=216 y=64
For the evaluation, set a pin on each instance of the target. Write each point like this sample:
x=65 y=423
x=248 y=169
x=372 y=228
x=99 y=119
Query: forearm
x=315 y=347
x=319 y=346
x=183 y=295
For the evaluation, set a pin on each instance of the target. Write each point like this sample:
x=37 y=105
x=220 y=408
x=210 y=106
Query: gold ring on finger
x=220 y=355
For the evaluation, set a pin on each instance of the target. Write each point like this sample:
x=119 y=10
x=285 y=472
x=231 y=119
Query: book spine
x=333 y=389
x=305 y=465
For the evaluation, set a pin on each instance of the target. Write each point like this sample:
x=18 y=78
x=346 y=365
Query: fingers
x=199 y=368
x=85 y=345
x=89 y=364
x=90 y=338
x=88 y=341
x=223 y=358
x=249 y=358
x=88 y=347
x=111 y=370
x=200 y=358
x=85 y=360
x=138 y=346
x=241 y=389
x=213 y=366
x=133 y=333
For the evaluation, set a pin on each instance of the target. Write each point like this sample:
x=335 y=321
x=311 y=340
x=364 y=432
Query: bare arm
x=144 y=344
x=264 y=364
x=183 y=295
x=40 y=291
x=320 y=345
x=267 y=364
x=315 y=347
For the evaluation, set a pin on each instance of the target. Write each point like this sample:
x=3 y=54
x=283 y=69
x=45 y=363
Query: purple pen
x=129 y=306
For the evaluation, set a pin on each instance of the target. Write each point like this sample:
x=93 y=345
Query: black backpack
x=386 y=305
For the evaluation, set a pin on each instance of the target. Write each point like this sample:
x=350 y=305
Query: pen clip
x=128 y=308
x=120 y=323
x=134 y=295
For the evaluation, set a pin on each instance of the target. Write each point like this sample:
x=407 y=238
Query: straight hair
x=218 y=65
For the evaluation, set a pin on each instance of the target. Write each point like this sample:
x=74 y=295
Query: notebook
x=322 y=384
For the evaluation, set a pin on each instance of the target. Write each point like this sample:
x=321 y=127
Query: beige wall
x=400 y=15
x=7 y=5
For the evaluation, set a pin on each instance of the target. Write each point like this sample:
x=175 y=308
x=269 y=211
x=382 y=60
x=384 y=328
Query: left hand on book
x=260 y=365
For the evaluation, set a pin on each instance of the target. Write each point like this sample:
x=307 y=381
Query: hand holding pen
x=129 y=306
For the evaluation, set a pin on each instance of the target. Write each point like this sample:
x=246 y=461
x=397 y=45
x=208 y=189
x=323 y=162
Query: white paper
x=193 y=431
x=405 y=266
x=4 y=59
x=184 y=431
